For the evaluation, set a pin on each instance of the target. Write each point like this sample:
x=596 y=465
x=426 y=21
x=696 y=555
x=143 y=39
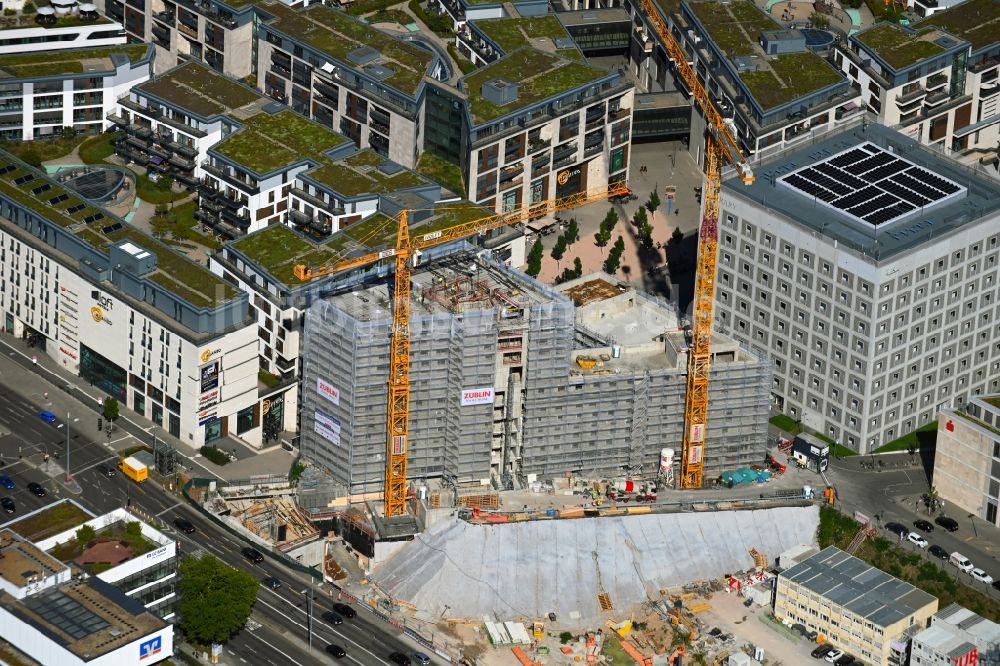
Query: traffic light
x=100 y=424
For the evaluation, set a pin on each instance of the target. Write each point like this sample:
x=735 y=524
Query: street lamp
x=69 y=477
x=974 y=530
x=309 y=600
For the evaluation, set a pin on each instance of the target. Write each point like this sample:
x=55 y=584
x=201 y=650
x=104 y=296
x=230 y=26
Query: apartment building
x=487 y=40
x=936 y=81
x=44 y=92
x=56 y=28
x=139 y=321
x=867 y=265
x=860 y=609
x=957 y=636
x=967 y=457
x=461 y=11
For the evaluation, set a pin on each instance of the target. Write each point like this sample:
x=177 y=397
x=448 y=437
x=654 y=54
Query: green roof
x=976 y=21
x=441 y=171
x=540 y=75
x=27 y=20
x=271 y=141
x=200 y=90
x=735 y=28
x=337 y=34
x=199 y=287
x=993 y=400
x=359 y=174
x=510 y=33
x=900 y=47
x=277 y=248
x=70 y=61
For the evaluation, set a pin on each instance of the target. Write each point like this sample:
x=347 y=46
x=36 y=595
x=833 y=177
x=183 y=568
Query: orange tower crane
x=720 y=145
x=405 y=255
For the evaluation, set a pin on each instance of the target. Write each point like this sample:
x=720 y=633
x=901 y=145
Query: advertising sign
x=327 y=427
x=150 y=648
x=328 y=391
x=210 y=376
x=479 y=396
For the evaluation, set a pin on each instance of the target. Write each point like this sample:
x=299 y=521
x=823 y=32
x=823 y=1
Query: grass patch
x=922 y=437
x=614 y=651
x=97 y=149
x=841 y=451
x=214 y=454
x=201 y=90
x=43 y=150
x=976 y=21
x=362 y=7
x=510 y=33
x=837 y=529
x=269 y=142
x=51 y=521
x=356 y=175
x=793 y=427
x=156 y=193
x=898 y=46
x=268 y=379
x=391 y=16
x=70 y=61
x=442 y=171
x=179 y=223
x=793 y=75
x=786 y=423
x=463 y=63
x=440 y=24
x=118 y=531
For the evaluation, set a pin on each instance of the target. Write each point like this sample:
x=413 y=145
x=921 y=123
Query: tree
x=654 y=201
x=646 y=234
x=111 y=409
x=572 y=231
x=602 y=238
x=534 y=266
x=559 y=250
x=216 y=599
x=820 y=21
x=165 y=183
x=85 y=535
x=610 y=220
x=133 y=528
x=640 y=217
x=677 y=236
x=577 y=267
x=614 y=259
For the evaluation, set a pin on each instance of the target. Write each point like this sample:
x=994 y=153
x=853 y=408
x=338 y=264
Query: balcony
x=536 y=145
x=187 y=30
x=595 y=149
x=617 y=114
x=117 y=120
x=566 y=161
x=937 y=81
x=181 y=162
x=936 y=98
x=209 y=204
x=165 y=16
x=189 y=180
x=138 y=142
x=595 y=122
x=183 y=149
x=241 y=220
x=906 y=98
x=564 y=151
x=379 y=127
x=163 y=33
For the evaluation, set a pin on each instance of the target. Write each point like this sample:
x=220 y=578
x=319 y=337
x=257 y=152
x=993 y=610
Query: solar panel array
x=871 y=184
x=65 y=612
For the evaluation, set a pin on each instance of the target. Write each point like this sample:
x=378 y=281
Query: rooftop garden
x=734 y=27
x=510 y=33
x=358 y=174
x=99 y=550
x=790 y=76
x=51 y=521
x=898 y=46
x=201 y=90
x=28 y=18
x=58 y=63
x=992 y=400
x=441 y=171
x=540 y=75
x=270 y=141
x=337 y=34
x=976 y=21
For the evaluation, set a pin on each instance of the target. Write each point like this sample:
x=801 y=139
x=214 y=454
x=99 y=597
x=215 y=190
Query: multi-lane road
x=277 y=632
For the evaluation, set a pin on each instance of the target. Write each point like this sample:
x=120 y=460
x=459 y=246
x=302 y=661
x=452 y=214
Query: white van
x=961 y=561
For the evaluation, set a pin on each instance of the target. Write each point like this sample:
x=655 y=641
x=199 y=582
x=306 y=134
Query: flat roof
x=200 y=90
x=882 y=242
x=735 y=26
x=859 y=587
x=278 y=248
x=513 y=33
x=540 y=76
x=364 y=172
x=975 y=21
x=89 y=618
x=593 y=16
x=972 y=623
x=24 y=20
x=99 y=228
x=69 y=61
x=901 y=47
x=21 y=560
x=270 y=141
x=337 y=34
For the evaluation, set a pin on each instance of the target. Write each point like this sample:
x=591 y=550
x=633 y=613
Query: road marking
x=92 y=466
x=169 y=508
x=257 y=636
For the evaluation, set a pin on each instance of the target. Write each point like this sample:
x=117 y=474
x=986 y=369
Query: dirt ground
x=780 y=645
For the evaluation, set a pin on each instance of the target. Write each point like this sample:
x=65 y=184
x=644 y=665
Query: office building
x=959 y=637
x=867 y=265
x=967 y=457
x=512 y=381
x=860 y=609
x=44 y=92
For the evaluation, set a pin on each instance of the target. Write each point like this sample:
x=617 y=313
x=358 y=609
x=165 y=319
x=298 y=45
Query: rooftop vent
x=565 y=43
x=946 y=42
x=499 y=92
x=378 y=72
x=389 y=168
x=745 y=63
x=363 y=55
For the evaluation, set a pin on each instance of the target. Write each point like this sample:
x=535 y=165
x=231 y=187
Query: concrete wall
x=967 y=464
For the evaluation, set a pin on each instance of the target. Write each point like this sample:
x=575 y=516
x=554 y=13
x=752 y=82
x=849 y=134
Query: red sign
x=970 y=659
x=949 y=426
x=67 y=352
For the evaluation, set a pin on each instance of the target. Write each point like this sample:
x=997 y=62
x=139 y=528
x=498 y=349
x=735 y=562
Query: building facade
x=860 y=609
x=957 y=636
x=967 y=457
x=875 y=322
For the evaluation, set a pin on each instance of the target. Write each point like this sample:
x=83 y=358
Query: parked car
x=7 y=504
x=800 y=629
x=271 y=582
x=938 y=552
x=923 y=525
x=917 y=540
x=822 y=651
x=345 y=610
x=36 y=489
x=899 y=530
x=7 y=482
x=399 y=658
x=106 y=470
x=981 y=576
x=47 y=416
x=834 y=655
x=961 y=562
x=949 y=524
x=421 y=658
x=845 y=660
x=184 y=525
x=335 y=650
x=332 y=618
x=253 y=555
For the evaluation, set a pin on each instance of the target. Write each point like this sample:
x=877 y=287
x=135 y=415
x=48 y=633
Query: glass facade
x=244 y=420
x=102 y=373
x=443 y=120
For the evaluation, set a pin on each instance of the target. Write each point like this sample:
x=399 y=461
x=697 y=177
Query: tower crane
x=720 y=145
x=405 y=254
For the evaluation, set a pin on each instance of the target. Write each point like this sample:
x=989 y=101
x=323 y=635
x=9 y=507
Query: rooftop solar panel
x=871 y=185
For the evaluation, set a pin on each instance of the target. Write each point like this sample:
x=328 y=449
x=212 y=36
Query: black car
x=336 y=651
x=938 y=552
x=897 y=529
x=106 y=470
x=36 y=489
x=845 y=660
x=821 y=651
x=7 y=504
x=184 y=525
x=949 y=524
x=271 y=582
x=800 y=629
x=253 y=555
x=399 y=658
x=332 y=618
x=345 y=610
x=923 y=525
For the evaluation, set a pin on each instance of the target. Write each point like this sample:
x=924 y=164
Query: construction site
x=514 y=383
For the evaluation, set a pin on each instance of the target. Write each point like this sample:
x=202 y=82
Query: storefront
x=102 y=373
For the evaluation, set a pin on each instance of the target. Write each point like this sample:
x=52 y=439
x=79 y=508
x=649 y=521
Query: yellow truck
x=133 y=469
